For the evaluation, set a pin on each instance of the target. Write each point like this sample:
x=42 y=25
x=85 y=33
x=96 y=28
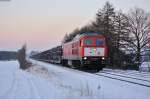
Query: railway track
x=127 y=76
x=118 y=76
x=133 y=80
x=131 y=73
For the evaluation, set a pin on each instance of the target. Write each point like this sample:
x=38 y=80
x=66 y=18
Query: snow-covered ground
x=42 y=83
x=74 y=84
x=49 y=81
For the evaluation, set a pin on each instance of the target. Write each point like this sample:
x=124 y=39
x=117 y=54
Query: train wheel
x=71 y=63
x=76 y=63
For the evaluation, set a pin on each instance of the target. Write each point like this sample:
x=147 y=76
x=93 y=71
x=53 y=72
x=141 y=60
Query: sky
x=42 y=24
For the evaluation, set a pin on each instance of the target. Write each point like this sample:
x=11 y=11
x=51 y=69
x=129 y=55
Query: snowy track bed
x=143 y=75
x=132 y=77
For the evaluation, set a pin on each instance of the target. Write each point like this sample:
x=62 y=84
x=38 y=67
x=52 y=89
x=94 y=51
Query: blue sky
x=43 y=23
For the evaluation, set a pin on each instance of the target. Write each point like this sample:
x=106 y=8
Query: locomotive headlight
x=103 y=58
x=85 y=58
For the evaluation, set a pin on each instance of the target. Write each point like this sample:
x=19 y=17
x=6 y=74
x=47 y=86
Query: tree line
x=127 y=34
x=8 y=55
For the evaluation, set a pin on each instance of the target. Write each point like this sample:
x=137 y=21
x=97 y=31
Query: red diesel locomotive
x=87 y=50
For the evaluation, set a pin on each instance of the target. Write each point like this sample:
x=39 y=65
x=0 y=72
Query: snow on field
x=75 y=84
x=39 y=83
x=17 y=84
x=48 y=81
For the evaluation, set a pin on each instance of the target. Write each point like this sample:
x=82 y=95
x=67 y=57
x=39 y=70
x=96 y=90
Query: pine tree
x=105 y=24
x=121 y=34
x=65 y=38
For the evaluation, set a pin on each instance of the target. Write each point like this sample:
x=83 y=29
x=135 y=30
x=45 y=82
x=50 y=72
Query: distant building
x=145 y=65
x=146 y=57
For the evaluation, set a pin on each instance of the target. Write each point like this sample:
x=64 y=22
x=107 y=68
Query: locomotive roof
x=86 y=34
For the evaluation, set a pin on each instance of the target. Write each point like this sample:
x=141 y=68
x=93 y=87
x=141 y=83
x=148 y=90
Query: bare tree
x=139 y=32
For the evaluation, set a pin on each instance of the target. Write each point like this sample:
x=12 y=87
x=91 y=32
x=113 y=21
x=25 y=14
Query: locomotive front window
x=99 y=42
x=88 y=42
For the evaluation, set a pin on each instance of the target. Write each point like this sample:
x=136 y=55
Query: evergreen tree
x=105 y=24
x=68 y=38
x=121 y=34
x=65 y=38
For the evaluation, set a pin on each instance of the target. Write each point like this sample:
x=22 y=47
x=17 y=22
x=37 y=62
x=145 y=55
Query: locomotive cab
x=93 y=50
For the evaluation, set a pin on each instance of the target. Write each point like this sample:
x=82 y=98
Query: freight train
x=85 y=51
